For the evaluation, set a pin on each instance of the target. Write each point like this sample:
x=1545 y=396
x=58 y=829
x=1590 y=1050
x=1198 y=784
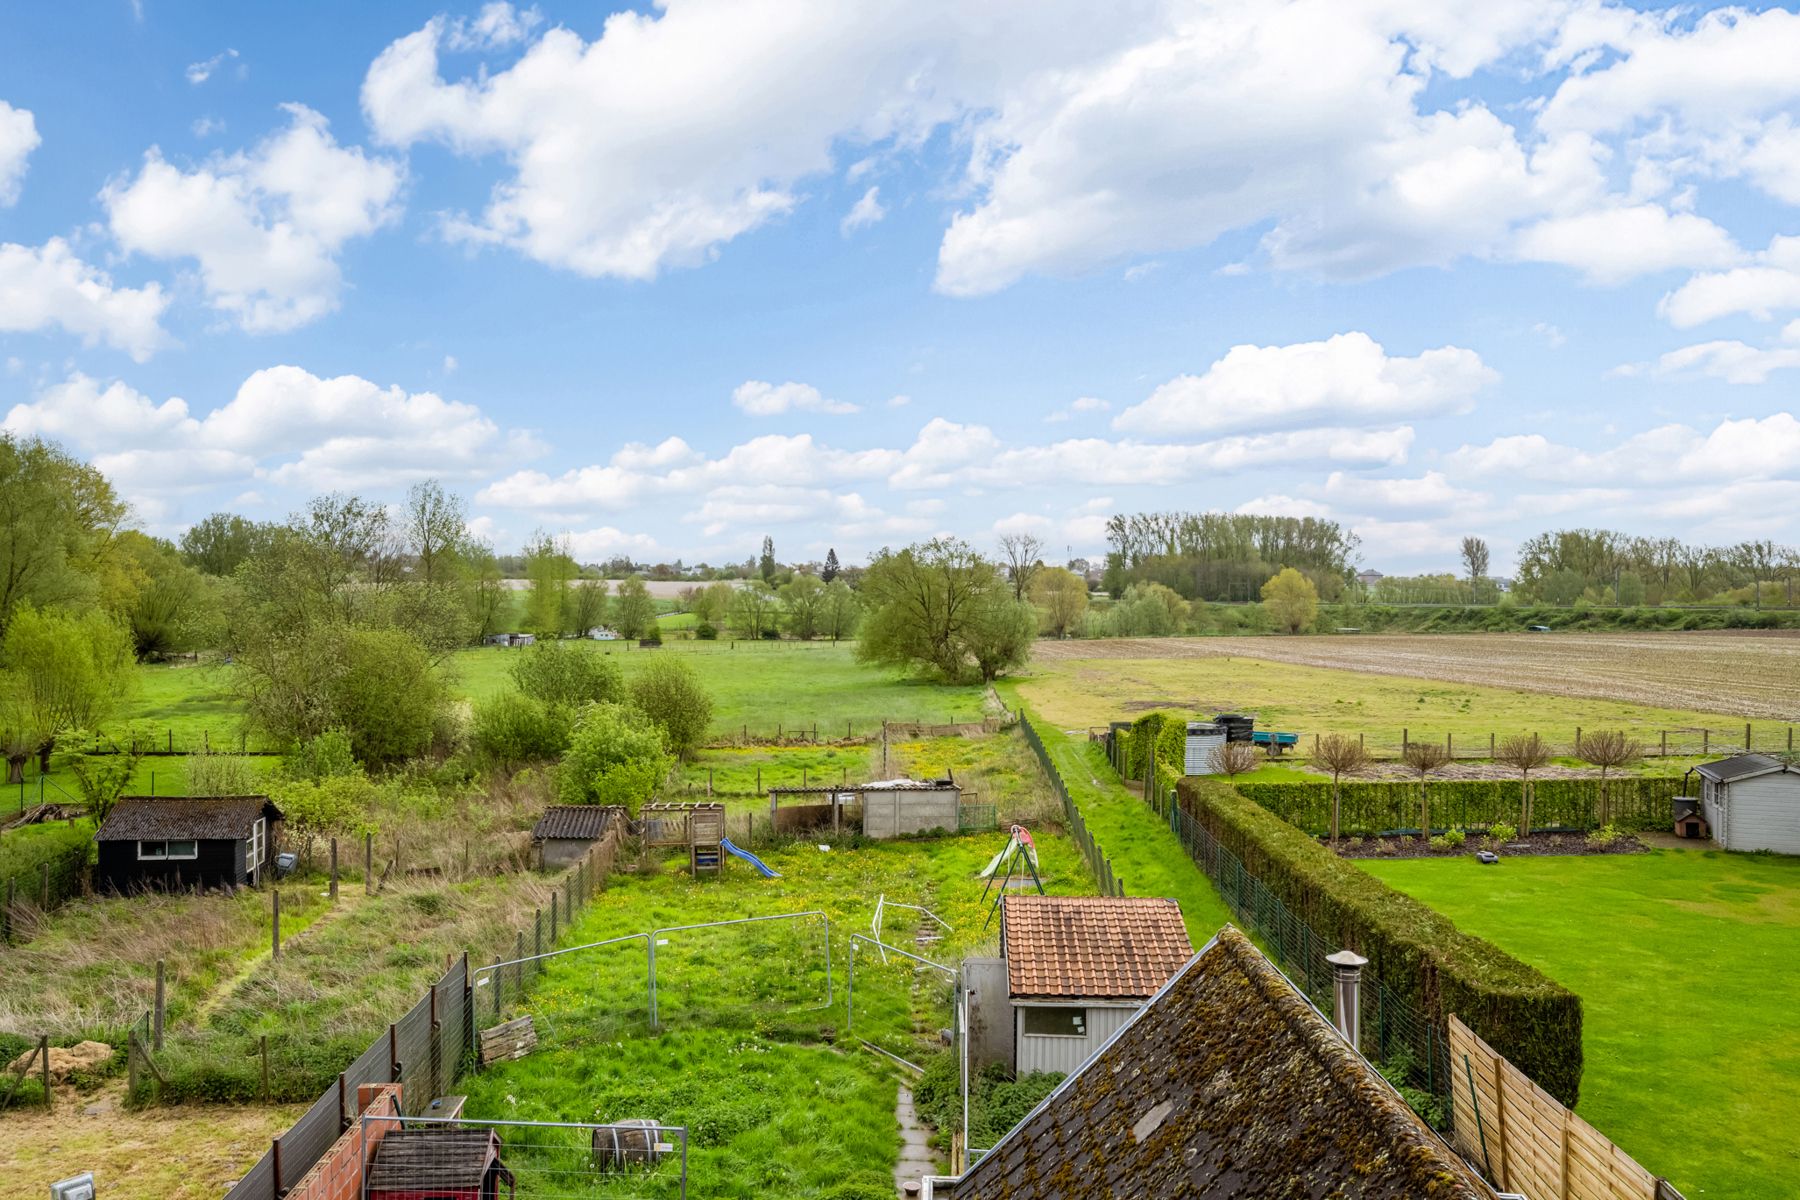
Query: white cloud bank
x=264 y=226
x=18 y=138
x=48 y=287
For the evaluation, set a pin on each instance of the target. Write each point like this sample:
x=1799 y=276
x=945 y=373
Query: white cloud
x=1023 y=522
x=450 y=364
x=1550 y=333
x=18 y=138
x=1279 y=505
x=1347 y=379
x=91 y=416
x=1430 y=492
x=1612 y=245
x=866 y=211
x=205 y=127
x=1755 y=449
x=1082 y=404
x=265 y=226
x=48 y=287
x=900 y=401
x=496 y=27
x=1760 y=290
x=198 y=73
x=761 y=399
x=1087 y=532
x=1729 y=360
x=604 y=542
x=678 y=130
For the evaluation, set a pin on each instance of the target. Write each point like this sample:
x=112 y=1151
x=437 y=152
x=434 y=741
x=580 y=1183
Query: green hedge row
x=1160 y=738
x=1416 y=951
x=1633 y=802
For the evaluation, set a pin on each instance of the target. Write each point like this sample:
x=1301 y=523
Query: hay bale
x=64 y=1060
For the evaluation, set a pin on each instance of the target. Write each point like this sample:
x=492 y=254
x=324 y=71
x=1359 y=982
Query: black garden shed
x=187 y=841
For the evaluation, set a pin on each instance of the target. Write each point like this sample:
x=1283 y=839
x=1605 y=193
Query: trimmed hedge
x=1638 y=802
x=1413 y=949
x=1160 y=737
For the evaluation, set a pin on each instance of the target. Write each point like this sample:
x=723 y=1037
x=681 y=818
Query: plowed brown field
x=1751 y=674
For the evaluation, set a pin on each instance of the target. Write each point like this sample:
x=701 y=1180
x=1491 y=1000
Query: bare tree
x=1233 y=758
x=1424 y=758
x=1608 y=749
x=1475 y=562
x=1524 y=753
x=1024 y=554
x=1341 y=755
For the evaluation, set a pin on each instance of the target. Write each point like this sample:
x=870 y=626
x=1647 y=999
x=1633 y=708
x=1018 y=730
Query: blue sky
x=670 y=279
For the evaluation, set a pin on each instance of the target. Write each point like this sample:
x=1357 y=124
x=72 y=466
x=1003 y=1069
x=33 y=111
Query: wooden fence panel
x=1527 y=1141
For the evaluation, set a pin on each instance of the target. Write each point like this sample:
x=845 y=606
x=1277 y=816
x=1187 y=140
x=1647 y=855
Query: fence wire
x=431 y=1157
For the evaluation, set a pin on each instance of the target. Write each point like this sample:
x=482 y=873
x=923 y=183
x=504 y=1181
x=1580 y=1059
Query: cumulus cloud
x=1612 y=245
x=866 y=211
x=1082 y=404
x=1347 y=379
x=1757 y=448
x=264 y=226
x=1771 y=283
x=283 y=426
x=1431 y=492
x=18 y=138
x=1730 y=360
x=497 y=26
x=48 y=287
x=761 y=399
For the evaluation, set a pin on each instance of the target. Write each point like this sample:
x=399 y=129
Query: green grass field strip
x=1684 y=961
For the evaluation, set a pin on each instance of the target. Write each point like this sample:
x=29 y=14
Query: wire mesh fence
x=454 y=1157
x=894 y=996
x=26 y=896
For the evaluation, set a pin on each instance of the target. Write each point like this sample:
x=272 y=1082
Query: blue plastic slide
x=759 y=864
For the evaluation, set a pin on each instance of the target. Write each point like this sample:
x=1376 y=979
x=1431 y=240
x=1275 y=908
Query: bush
x=706 y=632
x=221 y=775
x=668 y=692
x=569 y=676
x=386 y=695
x=1605 y=836
x=1412 y=949
x=512 y=729
x=1502 y=832
x=324 y=757
x=615 y=757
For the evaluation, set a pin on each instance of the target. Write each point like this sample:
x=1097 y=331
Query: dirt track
x=1756 y=673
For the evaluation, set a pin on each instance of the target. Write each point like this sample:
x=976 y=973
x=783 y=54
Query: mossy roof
x=1228 y=1083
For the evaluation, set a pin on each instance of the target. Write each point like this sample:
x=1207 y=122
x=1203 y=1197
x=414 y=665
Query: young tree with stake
x=1341 y=755
x=1524 y=753
x=1424 y=758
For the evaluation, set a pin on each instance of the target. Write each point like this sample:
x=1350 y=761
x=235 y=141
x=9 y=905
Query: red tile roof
x=1092 y=947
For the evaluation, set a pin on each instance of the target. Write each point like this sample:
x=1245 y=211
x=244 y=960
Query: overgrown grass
x=24 y=848
x=1684 y=963
x=742 y=775
x=770 y=1083
x=997 y=769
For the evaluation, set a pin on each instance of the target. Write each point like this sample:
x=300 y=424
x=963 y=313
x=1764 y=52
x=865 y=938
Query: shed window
x=1056 y=1022
x=158 y=851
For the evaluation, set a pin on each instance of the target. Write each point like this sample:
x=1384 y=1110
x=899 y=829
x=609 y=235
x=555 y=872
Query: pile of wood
x=502 y=1043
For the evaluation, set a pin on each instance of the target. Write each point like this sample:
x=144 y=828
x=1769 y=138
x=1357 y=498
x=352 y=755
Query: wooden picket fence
x=1525 y=1141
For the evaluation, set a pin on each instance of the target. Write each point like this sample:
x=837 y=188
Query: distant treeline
x=1225 y=556
x=1604 y=566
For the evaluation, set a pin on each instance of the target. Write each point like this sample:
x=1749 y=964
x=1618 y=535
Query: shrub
x=569 y=676
x=1605 y=836
x=1412 y=949
x=386 y=694
x=324 y=757
x=221 y=775
x=1502 y=832
x=615 y=757
x=1233 y=758
x=1386 y=806
x=706 y=632
x=668 y=692
x=1454 y=837
x=512 y=729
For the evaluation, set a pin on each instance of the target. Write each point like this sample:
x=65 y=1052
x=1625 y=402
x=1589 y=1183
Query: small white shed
x=1752 y=802
x=1078 y=967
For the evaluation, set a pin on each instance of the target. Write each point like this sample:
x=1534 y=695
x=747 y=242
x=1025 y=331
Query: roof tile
x=1092 y=947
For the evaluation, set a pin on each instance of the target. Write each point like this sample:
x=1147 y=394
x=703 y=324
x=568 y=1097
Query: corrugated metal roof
x=1227 y=1084
x=1741 y=766
x=136 y=818
x=1092 y=947
x=585 y=821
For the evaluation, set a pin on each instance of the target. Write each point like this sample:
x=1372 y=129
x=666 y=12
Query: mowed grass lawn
x=768 y=686
x=1685 y=961
x=1080 y=693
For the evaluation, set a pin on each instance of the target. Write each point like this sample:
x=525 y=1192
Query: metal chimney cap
x=1347 y=958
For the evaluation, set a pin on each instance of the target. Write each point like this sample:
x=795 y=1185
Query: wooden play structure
x=699 y=826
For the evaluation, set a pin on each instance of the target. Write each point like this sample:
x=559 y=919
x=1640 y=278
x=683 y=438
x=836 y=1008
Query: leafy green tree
x=633 y=609
x=103 y=778
x=483 y=588
x=669 y=693
x=567 y=676
x=58 y=517
x=936 y=607
x=323 y=757
x=436 y=525
x=512 y=729
x=587 y=605
x=802 y=597
x=336 y=806
x=65 y=671
x=711 y=603
x=550 y=569
x=839 y=611
x=615 y=756
x=1062 y=600
x=169 y=606
x=217 y=544
x=753 y=609
x=1290 y=600
x=386 y=695
x=221 y=775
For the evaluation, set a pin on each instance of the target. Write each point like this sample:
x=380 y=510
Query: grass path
x=1145 y=854
x=1684 y=961
x=227 y=988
